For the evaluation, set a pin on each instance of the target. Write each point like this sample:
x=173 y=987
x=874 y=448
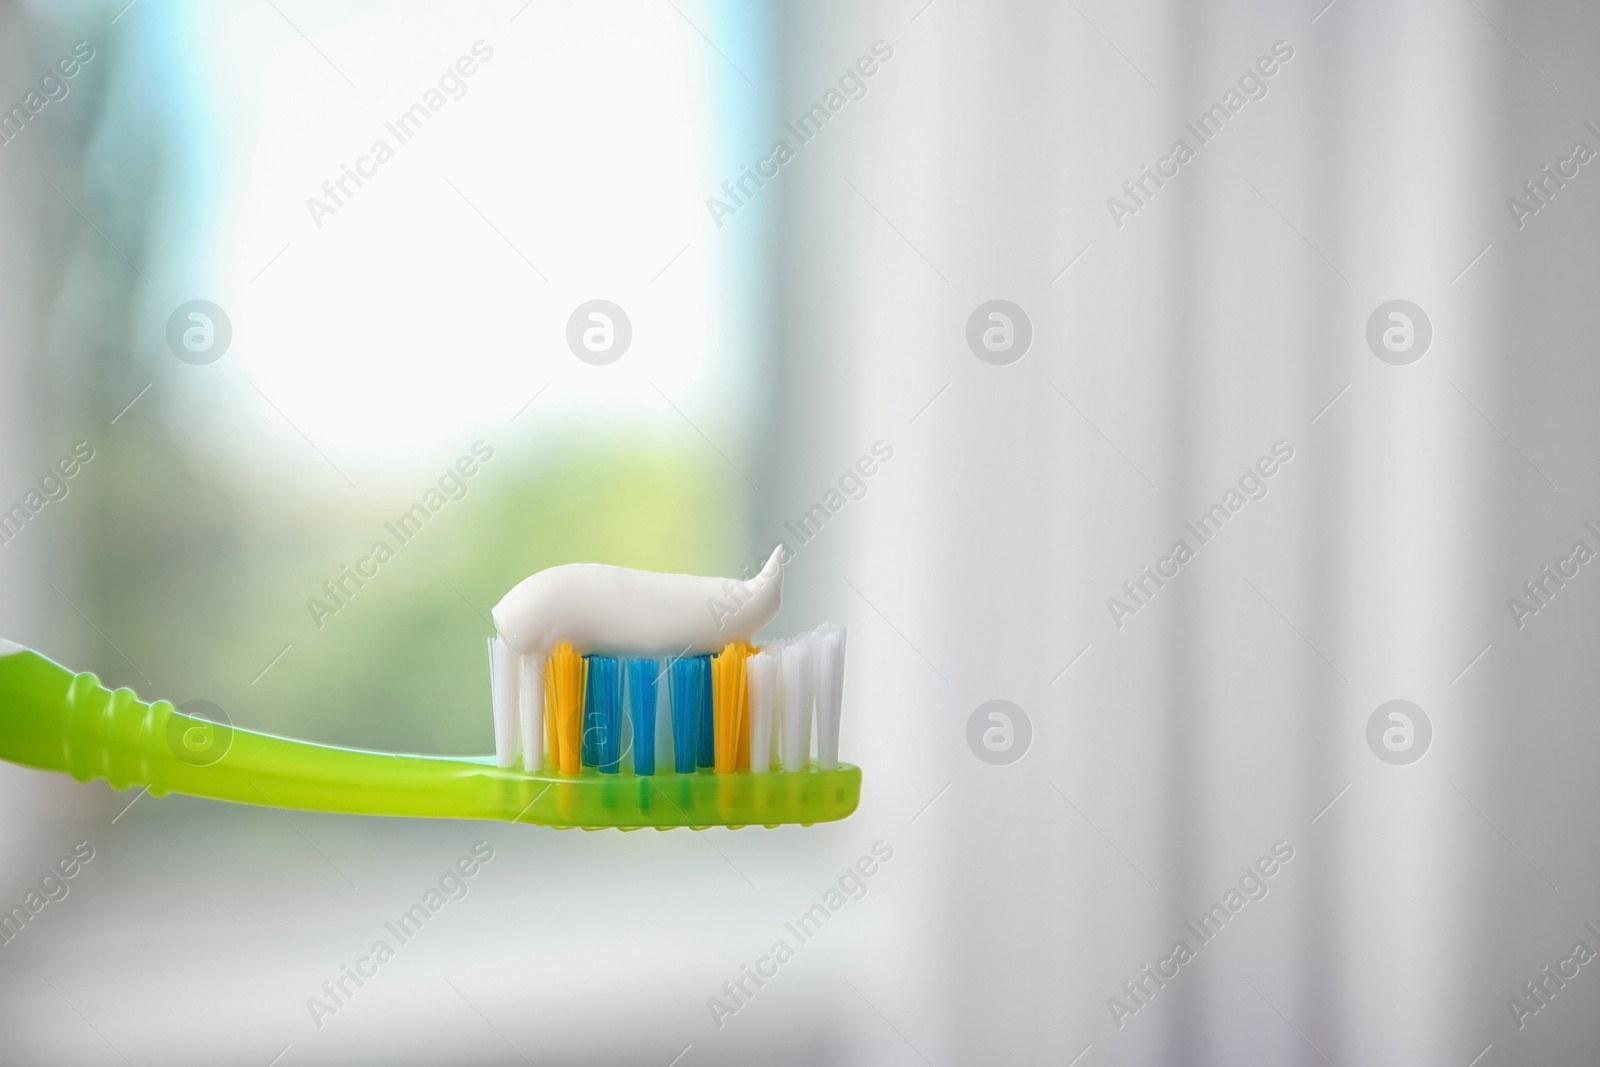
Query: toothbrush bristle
x=744 y=708
x=552 y=745
x=729 y=706
x=830 y=693
x=662 y=752
x=761 y=674
x=705 y=736
x=530 y=712
x=503 y=696
x=602 y=730
x=642 y=675
x=795 y=711
x=567 y=669
x=686 y=680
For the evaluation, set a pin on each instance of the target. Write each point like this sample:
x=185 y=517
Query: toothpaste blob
x=599 y=608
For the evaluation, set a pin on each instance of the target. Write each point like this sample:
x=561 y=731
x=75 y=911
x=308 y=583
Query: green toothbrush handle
x=55 y=720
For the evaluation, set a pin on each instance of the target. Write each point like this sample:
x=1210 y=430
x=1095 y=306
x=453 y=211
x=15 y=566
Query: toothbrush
x=562 y=756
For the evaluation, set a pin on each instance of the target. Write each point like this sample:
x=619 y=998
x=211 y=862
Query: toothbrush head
x=721 y=729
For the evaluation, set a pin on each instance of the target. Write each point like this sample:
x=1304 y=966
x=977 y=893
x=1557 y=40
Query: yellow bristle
x=566 y=671
x=729 y=708
x=741 y=746
x=552 y=751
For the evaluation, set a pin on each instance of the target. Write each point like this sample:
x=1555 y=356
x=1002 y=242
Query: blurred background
x=1368 y=270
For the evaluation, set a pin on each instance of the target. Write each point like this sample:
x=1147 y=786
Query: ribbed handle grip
x=111 y=734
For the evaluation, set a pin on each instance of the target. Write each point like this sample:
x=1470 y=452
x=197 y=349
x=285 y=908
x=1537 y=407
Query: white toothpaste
x=616 y=611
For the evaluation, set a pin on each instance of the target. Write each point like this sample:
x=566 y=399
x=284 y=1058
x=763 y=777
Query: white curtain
x=1210 y=321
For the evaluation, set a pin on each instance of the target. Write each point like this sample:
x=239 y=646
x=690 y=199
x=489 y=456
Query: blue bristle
x=690 y=683
x=602 y=715
x=642 y=676
x=611 y=744
x=705 y=748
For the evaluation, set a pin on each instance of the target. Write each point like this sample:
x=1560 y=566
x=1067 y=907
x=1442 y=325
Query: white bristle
x=774 y=648
x=829 y=666
x=761 y=683
x=797 y=691
x=775 y=752
x=814 y=656
x=503 y=696
x=530 y=705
